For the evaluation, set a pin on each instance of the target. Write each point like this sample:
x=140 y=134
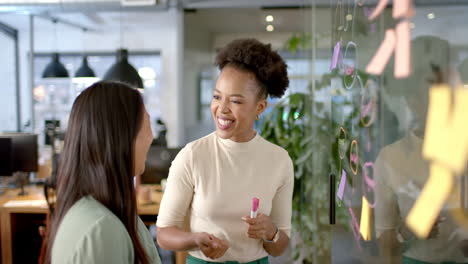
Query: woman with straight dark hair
x=95 y=219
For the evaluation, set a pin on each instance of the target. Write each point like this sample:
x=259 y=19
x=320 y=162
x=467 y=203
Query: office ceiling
x=237 y=20
x=283 y=3
x=155 y=5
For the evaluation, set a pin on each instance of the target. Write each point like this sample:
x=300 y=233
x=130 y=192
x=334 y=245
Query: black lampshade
x=123 y=71
x=85 y=70
x=55 y=69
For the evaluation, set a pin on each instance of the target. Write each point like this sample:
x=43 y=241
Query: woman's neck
x=245 y=137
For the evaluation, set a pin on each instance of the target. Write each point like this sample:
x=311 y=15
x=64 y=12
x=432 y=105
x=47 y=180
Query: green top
x=91 y=233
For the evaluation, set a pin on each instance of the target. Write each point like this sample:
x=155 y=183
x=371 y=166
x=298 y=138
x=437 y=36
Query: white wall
x=198 y=55
x=161 y=31
x=8 y=91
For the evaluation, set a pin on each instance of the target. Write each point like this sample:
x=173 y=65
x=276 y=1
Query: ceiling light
x=270 y=28
x=39 y=92
x=55 y=68
x=430 y=16
x=84 y=70
x=123 y=71
x=269 y=18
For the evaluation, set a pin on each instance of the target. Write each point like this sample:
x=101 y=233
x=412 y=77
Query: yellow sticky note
x=364 y=227
x=446 y=137
x=425 y=211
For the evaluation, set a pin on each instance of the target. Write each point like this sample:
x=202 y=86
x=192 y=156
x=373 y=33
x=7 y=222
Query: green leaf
x=306 y=140
x=296 y=99
x=304 y=157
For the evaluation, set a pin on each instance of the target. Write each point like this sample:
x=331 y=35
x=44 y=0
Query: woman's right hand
x=211 y=246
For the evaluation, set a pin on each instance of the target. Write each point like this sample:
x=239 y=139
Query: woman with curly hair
x=214 y=179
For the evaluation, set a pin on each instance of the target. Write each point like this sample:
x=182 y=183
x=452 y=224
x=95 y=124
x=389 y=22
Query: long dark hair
x=97 y=157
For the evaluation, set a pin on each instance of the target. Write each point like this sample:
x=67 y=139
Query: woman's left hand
x=260 y=227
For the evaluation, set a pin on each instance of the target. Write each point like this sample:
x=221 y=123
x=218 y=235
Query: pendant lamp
x=85 y=70
x=55 y=68
x=123 y=71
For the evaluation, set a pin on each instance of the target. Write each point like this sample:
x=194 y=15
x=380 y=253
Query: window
x=53 y=98
x=10 y=114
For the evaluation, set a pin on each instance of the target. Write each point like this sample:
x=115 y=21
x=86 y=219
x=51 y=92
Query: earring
x=257 y=118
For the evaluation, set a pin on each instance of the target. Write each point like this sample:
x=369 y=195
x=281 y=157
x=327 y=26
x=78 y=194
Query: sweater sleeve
x=281 y=211
x=179 y=191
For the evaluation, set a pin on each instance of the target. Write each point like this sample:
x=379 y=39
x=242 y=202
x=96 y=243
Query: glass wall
x=388 y=132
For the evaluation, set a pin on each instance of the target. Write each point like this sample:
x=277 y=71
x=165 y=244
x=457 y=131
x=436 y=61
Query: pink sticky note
x=336 y=55
x=378 y=9
x=383 y=54
x=403 y=50
x=402 y=8
x=341 y=188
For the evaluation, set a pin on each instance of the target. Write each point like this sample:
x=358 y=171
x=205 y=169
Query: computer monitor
x=158 y=162
x=23 y=152
x=6 y=159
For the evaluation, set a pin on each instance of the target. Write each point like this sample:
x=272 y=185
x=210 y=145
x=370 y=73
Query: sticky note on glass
x=425 y=211
x=402 y=8
x=395 y=40
x=446 y=136
x=383 y=54
x=365 y=227
x=341 y=187
x=403 y=50
x=336 y=55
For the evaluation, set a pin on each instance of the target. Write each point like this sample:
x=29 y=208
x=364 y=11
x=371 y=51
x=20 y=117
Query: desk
x=15 y=217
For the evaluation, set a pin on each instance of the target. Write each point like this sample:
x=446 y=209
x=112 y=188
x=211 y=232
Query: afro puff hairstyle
x=251 y=55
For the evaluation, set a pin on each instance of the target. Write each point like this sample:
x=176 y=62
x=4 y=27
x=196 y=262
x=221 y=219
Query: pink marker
x=255 y=204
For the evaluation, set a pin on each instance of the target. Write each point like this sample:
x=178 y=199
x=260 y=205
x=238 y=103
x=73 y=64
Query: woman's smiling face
x=236 y=104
